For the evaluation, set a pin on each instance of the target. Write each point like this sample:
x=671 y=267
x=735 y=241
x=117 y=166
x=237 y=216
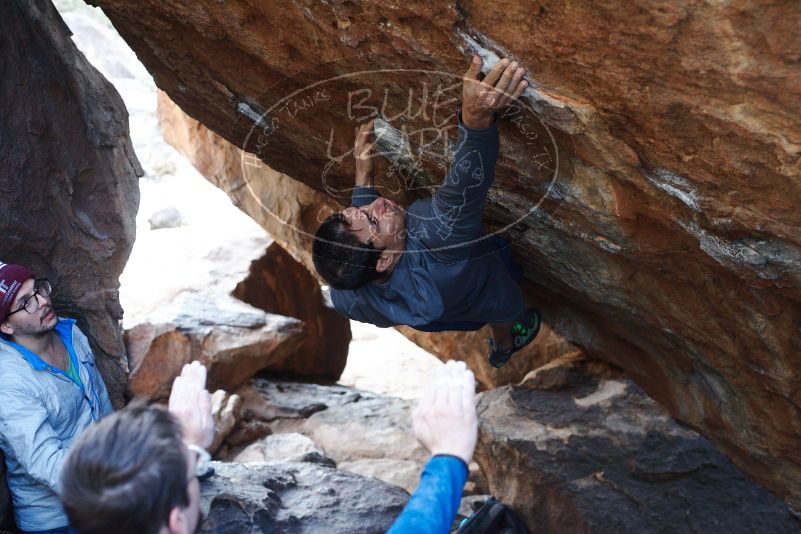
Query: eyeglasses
x=203 y=468
x=41 y=287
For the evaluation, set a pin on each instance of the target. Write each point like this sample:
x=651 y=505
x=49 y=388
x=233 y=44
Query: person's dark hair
x=340 y=258
x=125 y=473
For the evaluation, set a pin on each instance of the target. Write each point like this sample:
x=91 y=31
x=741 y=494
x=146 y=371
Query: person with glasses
x=138 y=471
x=50 y=392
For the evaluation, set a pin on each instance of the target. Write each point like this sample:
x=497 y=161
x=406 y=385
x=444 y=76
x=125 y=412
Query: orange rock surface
x=650 y=181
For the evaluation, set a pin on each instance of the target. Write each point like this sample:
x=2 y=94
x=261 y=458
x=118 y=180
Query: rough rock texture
x=184 y=306
x=582 y=449
x=668 y=240
x=227 y=411
x=234 y=345
x=361 y=432
x=472 y=348
x=333 y=415
x=291 y=212
x=69 y=176
x=296 y=498
x=289 y=447
x=280 y=284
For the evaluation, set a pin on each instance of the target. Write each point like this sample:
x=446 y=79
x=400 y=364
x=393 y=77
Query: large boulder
x=231 y=339
x=580 y=448
x=472 y=348
x=278 y=283
x=296 y=498
x=650 y=180
x=69 y=176
x=361 y=432
x=181 y=297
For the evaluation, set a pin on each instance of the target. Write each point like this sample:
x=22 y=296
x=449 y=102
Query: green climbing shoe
x=524 y=330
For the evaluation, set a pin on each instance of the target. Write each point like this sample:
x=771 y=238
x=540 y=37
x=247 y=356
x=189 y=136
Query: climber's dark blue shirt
x=433 y=505
x=450 y=271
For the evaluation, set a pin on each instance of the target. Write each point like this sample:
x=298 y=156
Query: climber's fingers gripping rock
x=482 y=98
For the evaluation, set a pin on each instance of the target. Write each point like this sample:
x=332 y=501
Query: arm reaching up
x=455 y=215
x=445 y=422
x=364 y=191
x=190 y=403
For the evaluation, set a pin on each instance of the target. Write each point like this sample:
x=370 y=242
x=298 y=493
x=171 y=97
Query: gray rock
x=69 y=176
x=296 y=498
x=168 y=217
x=403 y=473
x=269 y=400
x=575 y=451
x=227 y=411
x=374 y=427
x=290 y=447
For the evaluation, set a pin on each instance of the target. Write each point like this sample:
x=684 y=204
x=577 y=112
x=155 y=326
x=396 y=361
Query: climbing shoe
x=524 y=330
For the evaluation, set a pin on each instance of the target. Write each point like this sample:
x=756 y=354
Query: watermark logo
x=420 y=153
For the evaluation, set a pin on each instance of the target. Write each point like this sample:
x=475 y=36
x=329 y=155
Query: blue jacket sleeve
x=433 y=505
x=455 y=215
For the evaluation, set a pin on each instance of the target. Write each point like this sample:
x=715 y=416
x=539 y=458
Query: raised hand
x=190 y=403
x=482 y=98
x=364 y=153
x=445 y=420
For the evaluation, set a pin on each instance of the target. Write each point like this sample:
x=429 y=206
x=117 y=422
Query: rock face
x=650 y=181
x=280 y=284
x=296 y=498
x=361 y=432
x=69 y=176
x=577 y=450
x=227 y=412
x=236 y=344
x=472 y=348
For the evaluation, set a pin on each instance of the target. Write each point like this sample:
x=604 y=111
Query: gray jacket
x=42 y=412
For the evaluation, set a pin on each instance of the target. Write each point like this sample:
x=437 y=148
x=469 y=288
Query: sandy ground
x=380 y=360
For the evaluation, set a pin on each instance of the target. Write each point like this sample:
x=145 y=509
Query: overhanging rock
x=665 y=236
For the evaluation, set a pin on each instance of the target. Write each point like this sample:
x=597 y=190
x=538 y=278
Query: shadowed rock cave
x=652 y=202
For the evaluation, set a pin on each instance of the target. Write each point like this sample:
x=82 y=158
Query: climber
x=50 y=391
x=431 y=267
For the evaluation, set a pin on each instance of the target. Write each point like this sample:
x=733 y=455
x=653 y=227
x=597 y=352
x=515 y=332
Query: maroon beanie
x=11 y=279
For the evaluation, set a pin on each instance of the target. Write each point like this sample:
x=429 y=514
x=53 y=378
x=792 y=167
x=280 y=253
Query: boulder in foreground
x=579 y=448
x=296 y=498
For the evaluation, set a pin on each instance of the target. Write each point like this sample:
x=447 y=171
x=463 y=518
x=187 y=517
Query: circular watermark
x=417 y=141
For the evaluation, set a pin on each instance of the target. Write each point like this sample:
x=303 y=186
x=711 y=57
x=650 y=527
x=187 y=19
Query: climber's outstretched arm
x=364 y=191
x=456 y=213
x=445 y=422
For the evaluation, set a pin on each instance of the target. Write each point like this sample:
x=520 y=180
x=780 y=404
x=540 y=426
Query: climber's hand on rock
x=364 y=153
x=482 y=98
x=444 y=420
x=190 y=404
